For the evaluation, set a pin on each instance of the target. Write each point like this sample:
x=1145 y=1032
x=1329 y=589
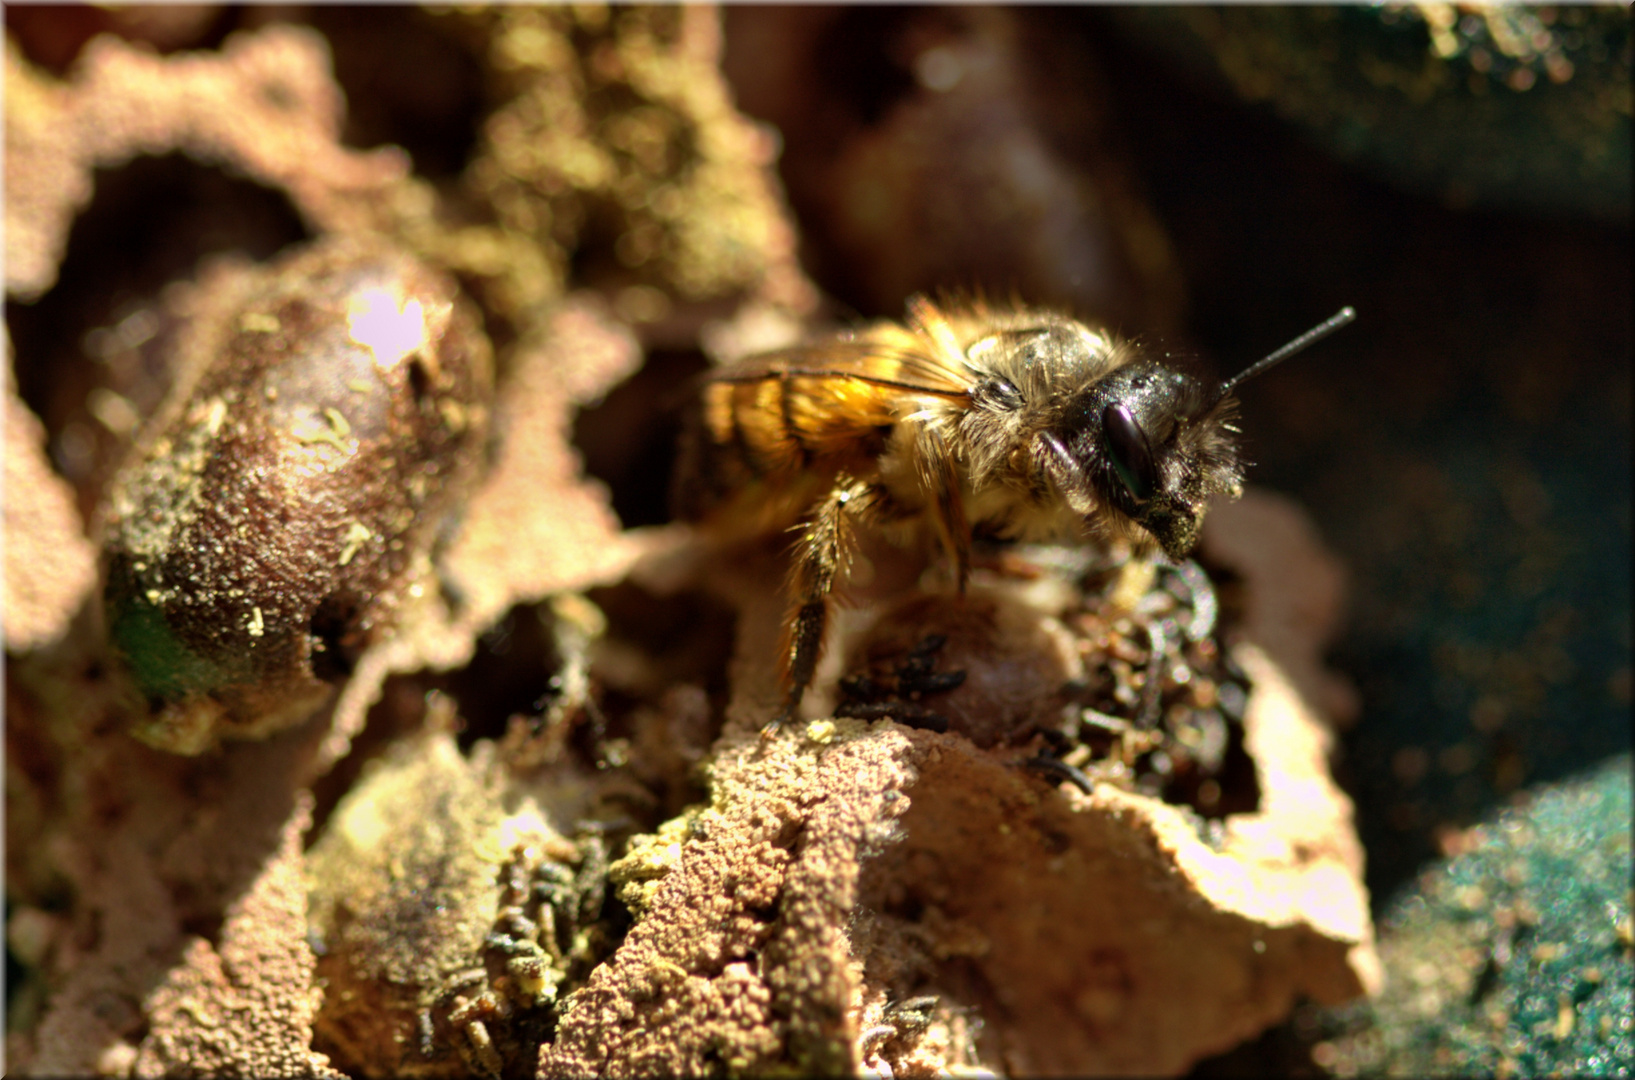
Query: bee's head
x=1153 y=444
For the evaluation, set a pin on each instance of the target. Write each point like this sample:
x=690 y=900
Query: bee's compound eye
x=1129 y=451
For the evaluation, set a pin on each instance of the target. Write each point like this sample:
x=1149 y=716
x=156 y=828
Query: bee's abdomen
x=778 y=433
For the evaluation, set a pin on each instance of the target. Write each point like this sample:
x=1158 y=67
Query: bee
x=969 y=419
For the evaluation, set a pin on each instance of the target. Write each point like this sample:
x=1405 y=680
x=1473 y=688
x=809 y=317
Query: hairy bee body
x=1006 y=421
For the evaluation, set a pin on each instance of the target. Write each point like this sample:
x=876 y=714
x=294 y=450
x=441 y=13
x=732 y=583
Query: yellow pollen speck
x=453 y=414
x=214 y=414
x=821 y=731
x=332 y=429
x=258 y=626
x=356 y=535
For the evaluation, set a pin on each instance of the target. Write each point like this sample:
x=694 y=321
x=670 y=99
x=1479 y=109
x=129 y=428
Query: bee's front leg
x=939 y=477
x=823 y=554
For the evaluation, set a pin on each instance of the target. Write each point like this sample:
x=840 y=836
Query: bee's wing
x=887 y=358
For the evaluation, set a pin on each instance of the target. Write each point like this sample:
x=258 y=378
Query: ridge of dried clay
x=265 y=104
x=50 y=567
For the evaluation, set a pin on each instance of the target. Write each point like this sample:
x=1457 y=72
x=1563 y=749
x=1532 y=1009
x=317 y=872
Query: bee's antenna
x=1310 y=337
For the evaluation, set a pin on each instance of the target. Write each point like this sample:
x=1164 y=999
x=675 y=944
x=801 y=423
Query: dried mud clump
x=614 y=155
x=158 y=900
x=270 y=521
x=739 y=959
x=450 y=916
x=1148 y=694
x=930 y=899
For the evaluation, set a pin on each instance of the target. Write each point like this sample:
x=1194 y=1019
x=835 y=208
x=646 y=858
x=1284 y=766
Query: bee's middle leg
x=823 y=555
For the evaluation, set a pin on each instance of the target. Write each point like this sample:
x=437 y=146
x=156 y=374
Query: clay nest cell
x=532 y=827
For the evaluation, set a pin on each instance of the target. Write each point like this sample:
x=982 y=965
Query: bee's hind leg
x=822 y=556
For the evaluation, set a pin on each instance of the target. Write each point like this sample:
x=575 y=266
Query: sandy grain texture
x=245 y=1005
x=1108 y=933
x=185 y=942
